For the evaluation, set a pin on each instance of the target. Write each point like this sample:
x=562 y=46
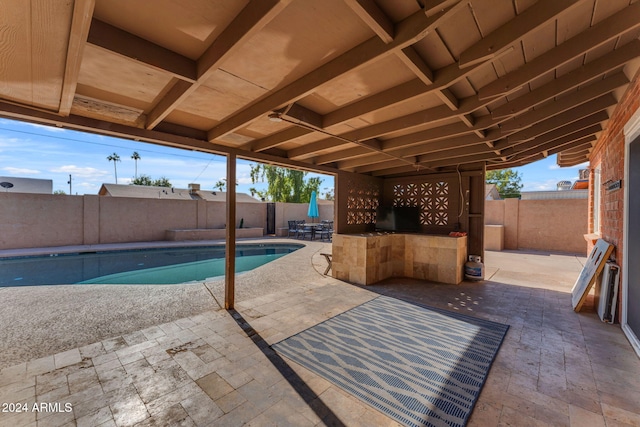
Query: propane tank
x=474 y=268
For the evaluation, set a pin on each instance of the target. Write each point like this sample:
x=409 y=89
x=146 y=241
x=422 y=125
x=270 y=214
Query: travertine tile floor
x=555 y=368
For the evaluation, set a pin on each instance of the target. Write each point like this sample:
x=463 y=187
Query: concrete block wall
x=547 y=225
x=42 y=220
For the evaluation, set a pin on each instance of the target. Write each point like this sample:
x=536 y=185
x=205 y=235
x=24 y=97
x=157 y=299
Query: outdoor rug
x=421 y=366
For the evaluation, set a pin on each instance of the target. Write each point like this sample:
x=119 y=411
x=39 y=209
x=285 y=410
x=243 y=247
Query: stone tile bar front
x=367 y=258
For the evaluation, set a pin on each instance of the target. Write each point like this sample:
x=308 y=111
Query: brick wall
x=608 y=154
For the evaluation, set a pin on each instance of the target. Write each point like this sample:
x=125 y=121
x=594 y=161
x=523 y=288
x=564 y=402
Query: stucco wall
x=26 y=219
x=549 y=225
x=494 y=212
x=554 y=225
x=41 y=220
x=298 y=211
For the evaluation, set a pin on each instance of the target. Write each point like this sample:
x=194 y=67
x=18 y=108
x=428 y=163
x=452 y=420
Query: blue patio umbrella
x=313 y=206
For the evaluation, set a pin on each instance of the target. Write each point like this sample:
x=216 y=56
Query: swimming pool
x=156 y=266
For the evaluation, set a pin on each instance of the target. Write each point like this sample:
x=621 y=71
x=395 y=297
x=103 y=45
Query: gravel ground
x=37 y=321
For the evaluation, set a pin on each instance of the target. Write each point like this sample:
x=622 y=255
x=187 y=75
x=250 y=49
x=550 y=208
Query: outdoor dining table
x=312 y=226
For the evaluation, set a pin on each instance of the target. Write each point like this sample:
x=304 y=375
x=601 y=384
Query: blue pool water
x=146 y=266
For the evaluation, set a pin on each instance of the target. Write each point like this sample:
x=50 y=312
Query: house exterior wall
x=609 y=155
x=549 y=225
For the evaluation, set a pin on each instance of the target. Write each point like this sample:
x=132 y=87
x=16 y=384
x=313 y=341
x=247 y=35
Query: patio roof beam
x=575 y=121
x=302 y=115
x=276 y=139
x=80 y=24
x=515 y=30
x=601 y=88
x=375 y=18
x=487 y=157
x=571 y=80
x=480 y=152
x=424 y=142
x=580 y=155
x=574 y=151
x=557 y=87
x=575 y=115
x=443 y=79
x=572 y=162
x=461 y=142
x=416 y=64
x=251 y=19
x=407 y=32
x=167 y=139
x=554 y=148
x=565 y=161
x=604 y=31
x=132 y=47
x=586 y=124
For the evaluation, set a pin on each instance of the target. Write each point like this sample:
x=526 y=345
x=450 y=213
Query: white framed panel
x=631 y=133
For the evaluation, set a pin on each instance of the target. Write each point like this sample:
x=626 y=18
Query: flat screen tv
x=394 y=218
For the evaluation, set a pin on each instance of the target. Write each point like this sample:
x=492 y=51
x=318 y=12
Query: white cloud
x=584 y=165
x=244 y=180
x=554 y=166
x=45 y=127
x=8 y=142
x=547 y=185
x=20 y=171
x=82 y=172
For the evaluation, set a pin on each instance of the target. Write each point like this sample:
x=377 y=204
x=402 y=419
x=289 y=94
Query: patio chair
x=306 y=230
x=300 y=228
x=317 y=231
x=326 y=230
x=293 y=228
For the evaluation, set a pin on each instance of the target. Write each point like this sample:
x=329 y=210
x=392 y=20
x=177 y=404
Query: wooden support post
x=230 y=256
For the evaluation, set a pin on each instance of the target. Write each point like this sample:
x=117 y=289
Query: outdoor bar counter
x=370 y=257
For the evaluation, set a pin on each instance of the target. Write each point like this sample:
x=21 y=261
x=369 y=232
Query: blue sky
x=35 y=151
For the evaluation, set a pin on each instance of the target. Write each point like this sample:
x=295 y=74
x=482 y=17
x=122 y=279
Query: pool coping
x=159 y=244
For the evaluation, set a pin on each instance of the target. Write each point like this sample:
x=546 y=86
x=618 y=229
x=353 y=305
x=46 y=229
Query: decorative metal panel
x=432 y=197
x=362 y=202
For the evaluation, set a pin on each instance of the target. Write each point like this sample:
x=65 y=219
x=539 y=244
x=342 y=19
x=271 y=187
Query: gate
x=271 y=218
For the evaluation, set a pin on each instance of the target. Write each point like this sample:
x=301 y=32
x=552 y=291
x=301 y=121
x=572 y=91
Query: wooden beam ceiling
x=398 y=91
x=408 y=32
x=80 y=24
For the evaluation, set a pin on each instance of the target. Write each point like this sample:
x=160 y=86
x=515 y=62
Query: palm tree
x=114 y=158
x=135 y=156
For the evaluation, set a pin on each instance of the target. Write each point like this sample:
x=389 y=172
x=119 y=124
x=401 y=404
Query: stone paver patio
x=556 y=367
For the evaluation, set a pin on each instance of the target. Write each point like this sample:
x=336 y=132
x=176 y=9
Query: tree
x=142 y=180
x=507 y=182
x=329 y=194
x=221 y=185
x=284 y=185
x=135 y=156
x=162 y=182
x=146 y=180
x=114 y=158
x=60 y=192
